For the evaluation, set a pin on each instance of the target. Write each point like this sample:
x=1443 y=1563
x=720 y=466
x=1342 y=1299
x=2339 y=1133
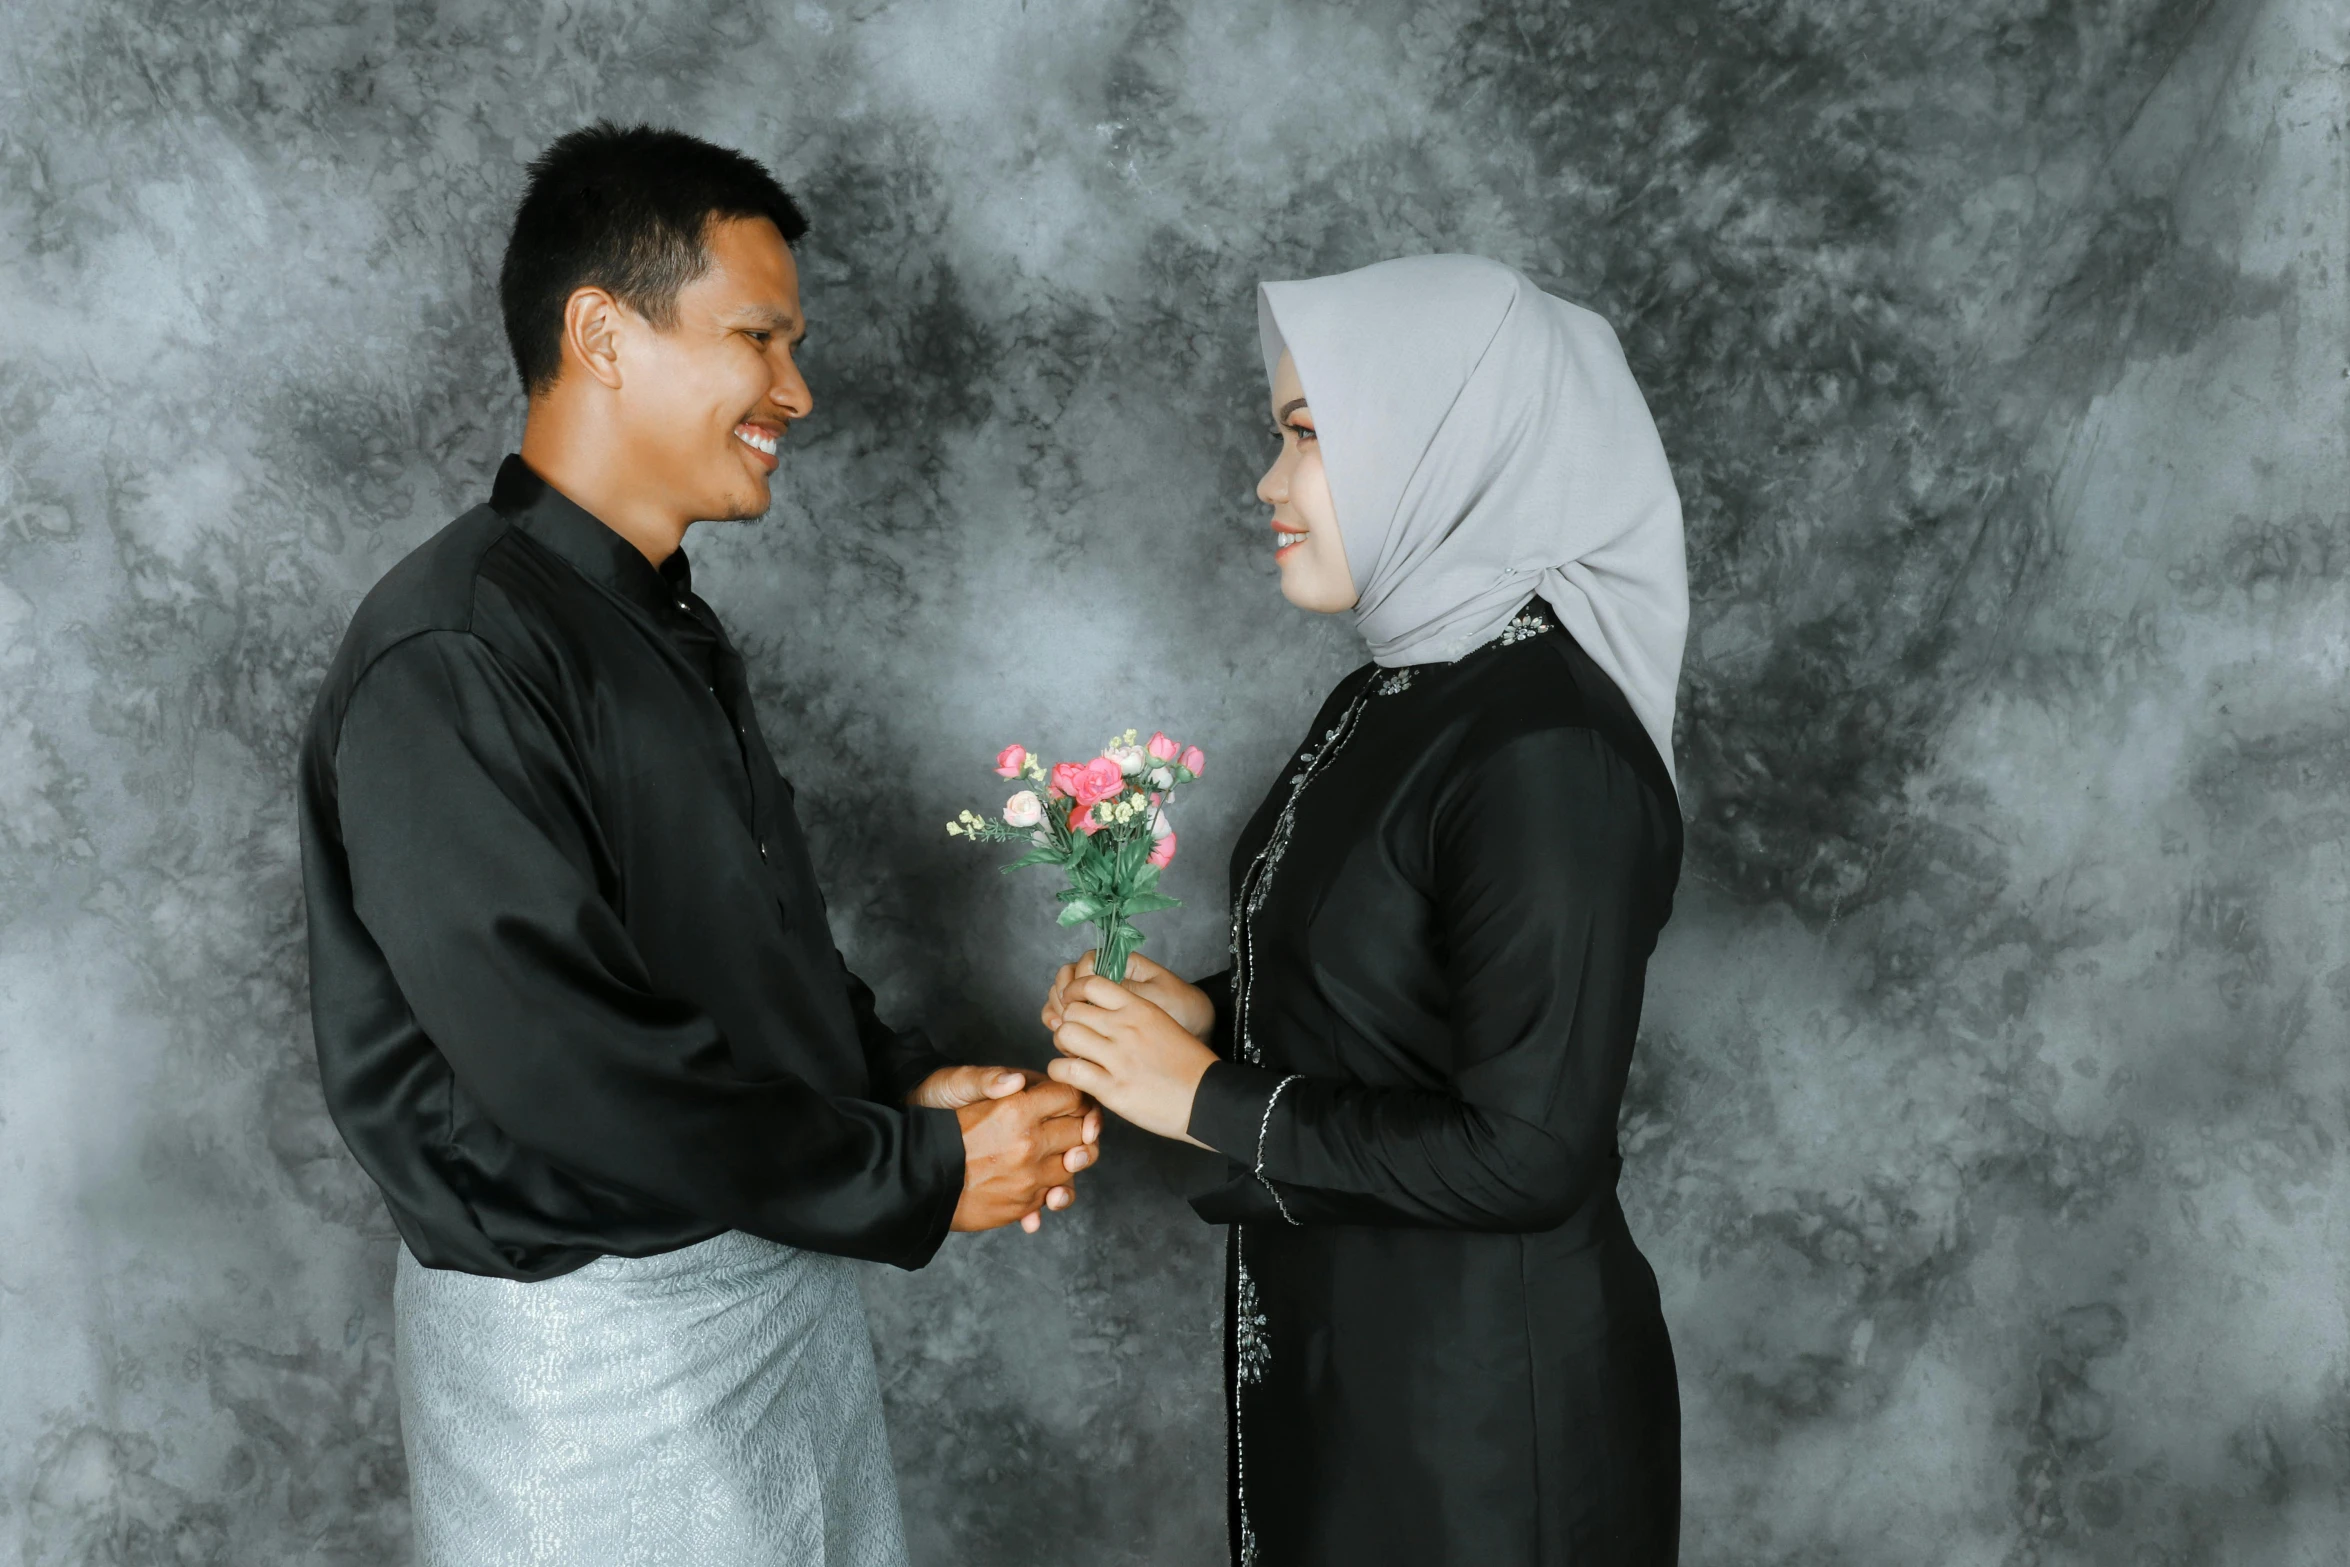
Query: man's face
x=705 y=404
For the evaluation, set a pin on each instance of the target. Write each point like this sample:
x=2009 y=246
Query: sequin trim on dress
x=1252 y=1339
x=1531 y=624
x=1252 y=1342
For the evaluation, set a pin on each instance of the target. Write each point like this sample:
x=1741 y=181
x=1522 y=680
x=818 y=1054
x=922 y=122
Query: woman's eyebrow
x=1290 y=407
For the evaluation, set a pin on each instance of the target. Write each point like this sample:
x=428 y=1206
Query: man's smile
x=760 y=439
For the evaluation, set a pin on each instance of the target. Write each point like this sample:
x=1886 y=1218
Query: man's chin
x=745 y=505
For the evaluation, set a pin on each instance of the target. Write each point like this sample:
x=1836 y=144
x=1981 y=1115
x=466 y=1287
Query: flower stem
x=1119 y=939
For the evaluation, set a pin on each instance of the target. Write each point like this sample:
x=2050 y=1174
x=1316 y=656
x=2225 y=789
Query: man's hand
x=1130 y=1055
x=1186 y=1004
x=1022 y=1137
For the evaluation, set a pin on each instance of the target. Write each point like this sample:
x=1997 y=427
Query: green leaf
x=1036 y=856
x=1079 y=911
x=1147 y=903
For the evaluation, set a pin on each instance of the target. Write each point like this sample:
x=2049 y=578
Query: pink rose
x=1010 y=760
x=1163 y=851
x=1098 y=780
x=1162 y=749
x=1082 y=820
x=1194 y=761
x=1064 y=782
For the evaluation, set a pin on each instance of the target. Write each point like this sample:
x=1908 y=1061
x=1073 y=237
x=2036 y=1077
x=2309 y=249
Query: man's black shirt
x=572 y=983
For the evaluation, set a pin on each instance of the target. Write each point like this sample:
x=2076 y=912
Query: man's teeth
x=758 y=439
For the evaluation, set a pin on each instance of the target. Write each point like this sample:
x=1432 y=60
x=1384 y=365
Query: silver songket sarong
x=712 y=1405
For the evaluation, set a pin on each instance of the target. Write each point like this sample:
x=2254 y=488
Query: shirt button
x=762 y=848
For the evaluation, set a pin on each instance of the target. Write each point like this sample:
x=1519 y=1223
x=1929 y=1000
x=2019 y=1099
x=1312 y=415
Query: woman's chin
x=1316 y=598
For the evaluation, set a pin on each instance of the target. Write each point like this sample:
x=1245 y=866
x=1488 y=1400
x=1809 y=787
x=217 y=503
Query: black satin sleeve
x=1218 y=989
x=476 y=868
x=898 y=1058
x=1538 y=867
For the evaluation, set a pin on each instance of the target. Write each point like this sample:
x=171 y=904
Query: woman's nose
x=1273 y=488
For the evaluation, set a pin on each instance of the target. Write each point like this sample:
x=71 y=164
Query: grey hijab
x=1485 y=442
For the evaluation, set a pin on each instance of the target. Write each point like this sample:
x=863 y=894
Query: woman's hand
x=1129 y=1054
x=1188 y=1005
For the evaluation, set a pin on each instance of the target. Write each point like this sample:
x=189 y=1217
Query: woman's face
x=1314 y=573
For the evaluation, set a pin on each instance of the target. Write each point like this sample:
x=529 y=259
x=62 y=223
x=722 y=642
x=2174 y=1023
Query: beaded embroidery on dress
x=1252 y=1341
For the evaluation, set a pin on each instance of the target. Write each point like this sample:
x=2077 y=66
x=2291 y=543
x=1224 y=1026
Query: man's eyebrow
x=1290 y=407
x=769 y=317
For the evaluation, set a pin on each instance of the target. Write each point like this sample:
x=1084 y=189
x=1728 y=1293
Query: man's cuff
x=911 y=1069
x=935 y=1146
x=1228 y=1109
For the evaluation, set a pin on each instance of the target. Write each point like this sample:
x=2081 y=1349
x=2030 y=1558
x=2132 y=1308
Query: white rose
x=1131 y=759
x=1023 y=809
x=1160 y=826
x=1162 y=778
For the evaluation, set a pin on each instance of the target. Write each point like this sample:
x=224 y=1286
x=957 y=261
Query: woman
x=1443 y=1345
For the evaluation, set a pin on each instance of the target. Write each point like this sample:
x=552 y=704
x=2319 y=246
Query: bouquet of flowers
x=1105 y=823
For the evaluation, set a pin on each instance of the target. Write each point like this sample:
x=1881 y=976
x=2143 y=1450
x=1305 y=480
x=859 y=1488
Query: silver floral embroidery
x=1252 y=1351
x=1252 y=1340
x=1527 y=625
x=1259 y=877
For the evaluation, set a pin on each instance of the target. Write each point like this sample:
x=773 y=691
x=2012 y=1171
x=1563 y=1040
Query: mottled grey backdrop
x=1989 y=1134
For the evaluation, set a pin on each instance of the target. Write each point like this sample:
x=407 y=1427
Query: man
x=578 y=1010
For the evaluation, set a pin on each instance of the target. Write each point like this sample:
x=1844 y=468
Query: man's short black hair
x=626 y=211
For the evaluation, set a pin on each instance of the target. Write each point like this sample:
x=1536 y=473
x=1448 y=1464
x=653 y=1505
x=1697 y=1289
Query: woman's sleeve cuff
x=1228 y=1109
x=1218 y=989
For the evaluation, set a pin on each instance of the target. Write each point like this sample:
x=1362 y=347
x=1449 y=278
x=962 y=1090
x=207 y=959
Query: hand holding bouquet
x=1105 y=823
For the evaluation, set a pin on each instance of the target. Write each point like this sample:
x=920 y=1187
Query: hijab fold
x=1485 y=442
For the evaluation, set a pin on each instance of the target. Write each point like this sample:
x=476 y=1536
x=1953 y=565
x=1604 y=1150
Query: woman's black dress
x=1443 y=1345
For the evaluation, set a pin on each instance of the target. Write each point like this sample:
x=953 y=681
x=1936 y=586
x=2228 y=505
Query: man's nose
x=790 y=392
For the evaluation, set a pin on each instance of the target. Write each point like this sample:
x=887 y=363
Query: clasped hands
x=1138 y=1048
x=1023 y=1138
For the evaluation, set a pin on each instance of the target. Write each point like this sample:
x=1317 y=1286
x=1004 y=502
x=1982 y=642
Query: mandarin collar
x=573 y=532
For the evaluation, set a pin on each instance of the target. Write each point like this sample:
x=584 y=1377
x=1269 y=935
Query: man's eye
x=760 y=338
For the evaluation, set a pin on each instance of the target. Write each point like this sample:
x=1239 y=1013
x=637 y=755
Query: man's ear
x=592 y=323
